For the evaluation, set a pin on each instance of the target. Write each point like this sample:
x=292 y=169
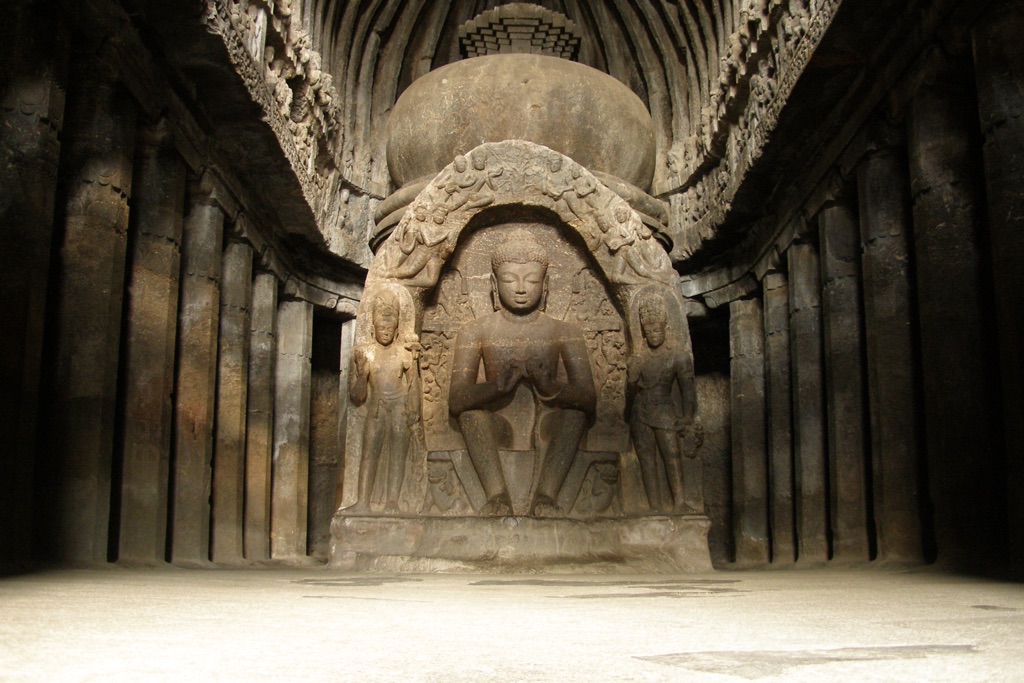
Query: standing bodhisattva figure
x=658 y=419
x=521 y=344
x=384 y=376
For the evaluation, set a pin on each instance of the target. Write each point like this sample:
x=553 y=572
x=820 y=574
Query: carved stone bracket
x=518 y=28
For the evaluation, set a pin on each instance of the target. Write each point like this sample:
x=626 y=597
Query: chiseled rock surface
x=656 y=544
x=563 y=105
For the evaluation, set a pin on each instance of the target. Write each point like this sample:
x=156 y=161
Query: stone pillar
x=809 y=456
x=259 y=445
x=844 y=382
x=197 y=376
x=749 y=457
x=891 y=366
x=999 y=66
x=780 y=417
x=31 y=114
x=955 y=307
x=232 y=389
x=291 y=430
x=325 y=448
x=151 y=310
x=75 y=494
x=348 y=340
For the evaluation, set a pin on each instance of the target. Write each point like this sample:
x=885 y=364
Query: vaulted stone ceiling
x=713 y=73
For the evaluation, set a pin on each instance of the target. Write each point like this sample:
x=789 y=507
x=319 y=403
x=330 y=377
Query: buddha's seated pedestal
x=637 y=544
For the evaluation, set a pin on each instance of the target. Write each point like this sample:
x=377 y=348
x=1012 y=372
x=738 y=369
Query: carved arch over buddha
x=602 y=258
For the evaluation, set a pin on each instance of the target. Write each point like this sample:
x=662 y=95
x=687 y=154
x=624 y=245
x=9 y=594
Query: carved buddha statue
x=520 y=344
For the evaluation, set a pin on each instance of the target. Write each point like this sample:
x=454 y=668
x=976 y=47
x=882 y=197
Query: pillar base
x=643 y=544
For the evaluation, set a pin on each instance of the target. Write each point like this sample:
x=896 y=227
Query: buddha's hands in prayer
x=542 y=376
x=511 y=376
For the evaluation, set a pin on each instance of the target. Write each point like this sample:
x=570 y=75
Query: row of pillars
x=159 y=385
x=868 y=416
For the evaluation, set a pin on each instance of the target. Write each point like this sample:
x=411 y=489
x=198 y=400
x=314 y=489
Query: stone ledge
x=643 y=544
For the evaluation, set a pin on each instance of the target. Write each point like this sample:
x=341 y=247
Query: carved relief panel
x=575 y=295
x=520 y=277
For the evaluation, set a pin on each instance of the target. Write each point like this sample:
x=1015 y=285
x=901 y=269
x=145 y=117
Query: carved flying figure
x=555 y=182
x=578 y=191
x=418 y=260
x=638 y=257
x=464 y=186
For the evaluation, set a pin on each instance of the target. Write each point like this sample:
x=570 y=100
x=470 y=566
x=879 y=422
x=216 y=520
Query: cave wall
x=872 y=297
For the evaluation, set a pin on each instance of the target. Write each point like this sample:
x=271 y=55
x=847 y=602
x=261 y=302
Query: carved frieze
x=760 y=63
x=274 y=56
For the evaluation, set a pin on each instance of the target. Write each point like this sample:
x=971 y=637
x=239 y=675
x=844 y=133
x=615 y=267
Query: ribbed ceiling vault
x=666 y=52
x=713 y=73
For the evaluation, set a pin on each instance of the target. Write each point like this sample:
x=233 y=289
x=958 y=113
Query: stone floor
x=278 y=625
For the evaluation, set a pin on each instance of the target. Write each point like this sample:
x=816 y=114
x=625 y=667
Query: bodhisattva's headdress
x=385 y=305
x=652 y=309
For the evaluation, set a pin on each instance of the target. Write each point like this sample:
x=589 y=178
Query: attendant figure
x=657 y=418
x=384 y=376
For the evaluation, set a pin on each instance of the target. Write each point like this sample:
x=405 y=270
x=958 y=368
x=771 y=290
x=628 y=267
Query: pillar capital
x=207 y=189
x=155 y=138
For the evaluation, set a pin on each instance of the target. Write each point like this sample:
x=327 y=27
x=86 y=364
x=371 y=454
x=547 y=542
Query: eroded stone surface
x=630 y=544
x=530 y=97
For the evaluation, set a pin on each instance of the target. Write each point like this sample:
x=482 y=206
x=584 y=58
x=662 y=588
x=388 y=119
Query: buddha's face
x=385 y=326
x=520 y=286
x=654 y=332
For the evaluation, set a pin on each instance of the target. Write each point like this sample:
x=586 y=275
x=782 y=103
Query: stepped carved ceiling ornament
x=714 y=75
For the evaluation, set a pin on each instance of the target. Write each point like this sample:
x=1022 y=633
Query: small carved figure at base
x=657 y=420
x=600 y=493
x=444 y=495
x=545 y=507
x=384 y=376
x=497 y=506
